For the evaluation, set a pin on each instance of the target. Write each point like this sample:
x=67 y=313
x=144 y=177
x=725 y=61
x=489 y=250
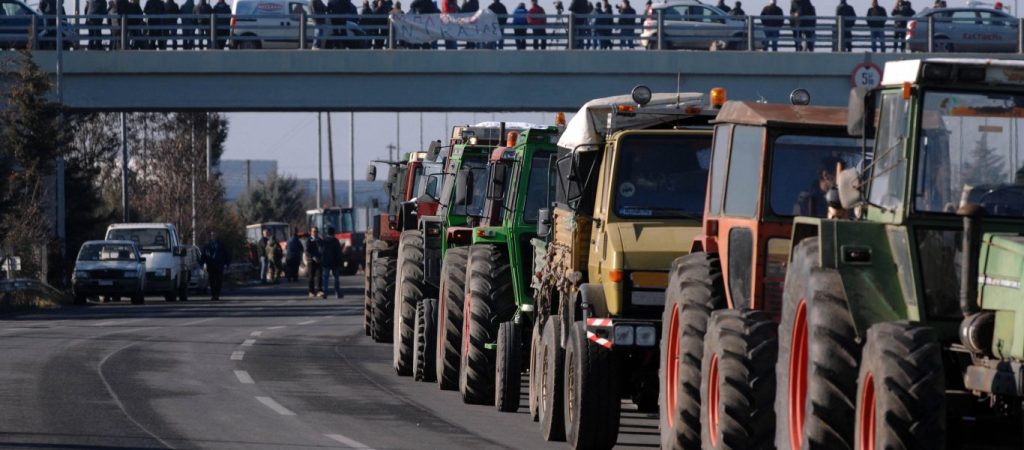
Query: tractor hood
x=650 y=245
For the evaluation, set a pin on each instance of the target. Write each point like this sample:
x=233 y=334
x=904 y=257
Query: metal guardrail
x=562 y=31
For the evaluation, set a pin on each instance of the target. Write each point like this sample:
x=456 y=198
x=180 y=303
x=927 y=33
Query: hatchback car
x=690 y=24
x=980 y=30
x=110 y=269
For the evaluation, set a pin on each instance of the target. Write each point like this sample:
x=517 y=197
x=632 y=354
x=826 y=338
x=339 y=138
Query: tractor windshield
x=804 y=169
x=538 y=187
x=477 y=167
x=969 y=152
x=661 y=175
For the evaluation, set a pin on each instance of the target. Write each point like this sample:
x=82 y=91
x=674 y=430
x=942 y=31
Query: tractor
x=903 y=315
x=629 y=191
x=343 y=221
x=765 y=167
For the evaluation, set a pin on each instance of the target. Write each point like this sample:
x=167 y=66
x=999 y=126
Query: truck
x=917 y=280
x=629 y=193
x=767 y=163
x=164 y=252
x=498 y=299
x=406 y=188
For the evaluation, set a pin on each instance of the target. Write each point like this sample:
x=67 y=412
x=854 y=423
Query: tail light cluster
x=911 y=26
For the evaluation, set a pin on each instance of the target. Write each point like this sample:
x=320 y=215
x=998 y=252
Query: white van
x=166 y=271
x=268 y=23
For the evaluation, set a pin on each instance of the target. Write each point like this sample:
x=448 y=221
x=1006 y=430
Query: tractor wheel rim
x=713 y=400
x=867 y=414
x=798 y=376
x=672 y=367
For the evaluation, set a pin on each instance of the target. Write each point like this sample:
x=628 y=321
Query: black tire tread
x=508 y=368
x=425 y=340
x=489 y=283
x=383 y=298
x=413 y=288
x=596 y=424
x=550 y=414
x=453 y=288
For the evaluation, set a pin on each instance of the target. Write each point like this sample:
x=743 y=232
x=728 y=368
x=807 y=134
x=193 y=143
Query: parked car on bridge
x=275 y=24
x=982 y=30
x=112 y=269
x=690 y=24
x=16 y=22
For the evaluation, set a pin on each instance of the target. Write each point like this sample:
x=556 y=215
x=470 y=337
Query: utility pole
x=398 y=135
x=124 y=168
x=351 y=160
x=319 y=162
x=391 y=148
x=330 y=158
x=192 y=172
x=248 y=175
x=421 y=131
x=209 y=148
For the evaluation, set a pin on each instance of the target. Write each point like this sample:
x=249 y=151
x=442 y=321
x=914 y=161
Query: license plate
x=106 y=283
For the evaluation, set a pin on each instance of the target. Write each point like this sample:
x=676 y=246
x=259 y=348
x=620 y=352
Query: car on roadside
x=160 y=244
x=111 y=269
x=968 y=29
x=692 y=25
x=198 y=279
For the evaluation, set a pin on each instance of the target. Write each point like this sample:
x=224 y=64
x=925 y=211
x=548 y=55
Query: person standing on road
x=314 y=268
x=203 y=11
x=216 y=256
x=519 y=25
x=876 y=21
x=849 y=18
x=293 y=256
x=537 y=23
x=261 y=249
x=223 y=18
x=274 y=257
x=95 y=8
x=771 y=20
x=331 y=253
x=499 y=10
x=899 y=37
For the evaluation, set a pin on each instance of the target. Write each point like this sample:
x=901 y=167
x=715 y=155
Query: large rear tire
x=383 y=298
x=901 y=402
x=489 y=301
x=449 y=322
x=694 y=291
x=550 y=414
x=412 y=287
x=508 y=368
x=738 y=386
x=591 y=402
x=424 y=340
x=816 y=371
x=373 y=249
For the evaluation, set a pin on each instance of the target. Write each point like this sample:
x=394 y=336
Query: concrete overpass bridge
x=433 y=81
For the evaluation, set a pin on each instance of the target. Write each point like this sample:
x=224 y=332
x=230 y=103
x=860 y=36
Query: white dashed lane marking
x=256 y=334
x=244 y=377
x=307 y=322
x=276 y=327
x=350 y=443
x=248 y=342
x=237 y=356
x=277 y=407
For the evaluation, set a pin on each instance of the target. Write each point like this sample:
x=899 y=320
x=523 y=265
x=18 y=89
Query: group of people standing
x=803 y=22
x=322 y=254
x=159 y=24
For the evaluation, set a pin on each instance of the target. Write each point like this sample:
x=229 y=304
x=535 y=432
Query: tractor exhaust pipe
x=969 y=267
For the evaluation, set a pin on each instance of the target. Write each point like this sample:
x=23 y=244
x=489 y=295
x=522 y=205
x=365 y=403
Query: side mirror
x=544 y=222
x=848 y=183
x=433 y=151
x=860 y=113
x=371 y=173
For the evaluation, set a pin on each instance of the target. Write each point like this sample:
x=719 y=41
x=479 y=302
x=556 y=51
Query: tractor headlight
x=646 y=336
x=623 y=335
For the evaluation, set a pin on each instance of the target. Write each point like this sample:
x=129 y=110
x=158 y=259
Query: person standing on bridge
x=737 y=10
x=771 y=20
x=849 y=18
x=95 y=8
x=188 y=24
x=538 y=22
x=172 y=10
x=470 y=7
x=579 y=9
x=876 y=21
x=899 y=36
x=314 y=268
x=331 y=260
x=627 y=25
x=499 y=10
x=135 y=24
x=117 y=10
x=318 y=9
x=216 y=256
x=293 y=257
x=203 y=11
x=722 y=6
x=222 y=16
x=154 y=11
x=519 y=25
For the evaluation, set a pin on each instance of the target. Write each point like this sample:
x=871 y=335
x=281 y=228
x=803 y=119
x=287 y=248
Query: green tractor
x=904 y=313
x=498 y=309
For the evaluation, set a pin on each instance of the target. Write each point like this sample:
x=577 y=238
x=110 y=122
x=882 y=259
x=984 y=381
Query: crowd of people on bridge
x=166 y=24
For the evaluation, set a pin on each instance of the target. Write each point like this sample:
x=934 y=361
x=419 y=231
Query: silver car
x=690 y=24
x=111 y=269
x=978 y=30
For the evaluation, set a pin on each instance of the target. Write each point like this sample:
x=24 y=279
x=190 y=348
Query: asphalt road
x=265 y=367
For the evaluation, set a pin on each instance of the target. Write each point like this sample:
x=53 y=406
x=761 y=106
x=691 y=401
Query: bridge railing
x=559 y=32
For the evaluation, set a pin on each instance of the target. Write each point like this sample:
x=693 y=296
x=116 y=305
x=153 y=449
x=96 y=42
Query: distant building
x=240 y=174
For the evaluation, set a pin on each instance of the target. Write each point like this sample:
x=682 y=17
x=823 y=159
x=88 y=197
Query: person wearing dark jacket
x=318 y=8
x=261 y=246
x=722 y=6
x=95 y=8
x=188 y=24
x=899 y=36
x=135 y=24
x=771 y=25
x=314 y=263
x=849 y=16
x=118 y=8
x=331 y=254
x=223 y=17
x=627 y=25
x=293 y=257
x=802 y=13
x=203 y=11
x=216 y=256
x=737 y=10
x=499 y=10
x=172 y=10
x=154 y=11
x=580 y=8
x=470 y=6
x=48 y=8
x=876 y=22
